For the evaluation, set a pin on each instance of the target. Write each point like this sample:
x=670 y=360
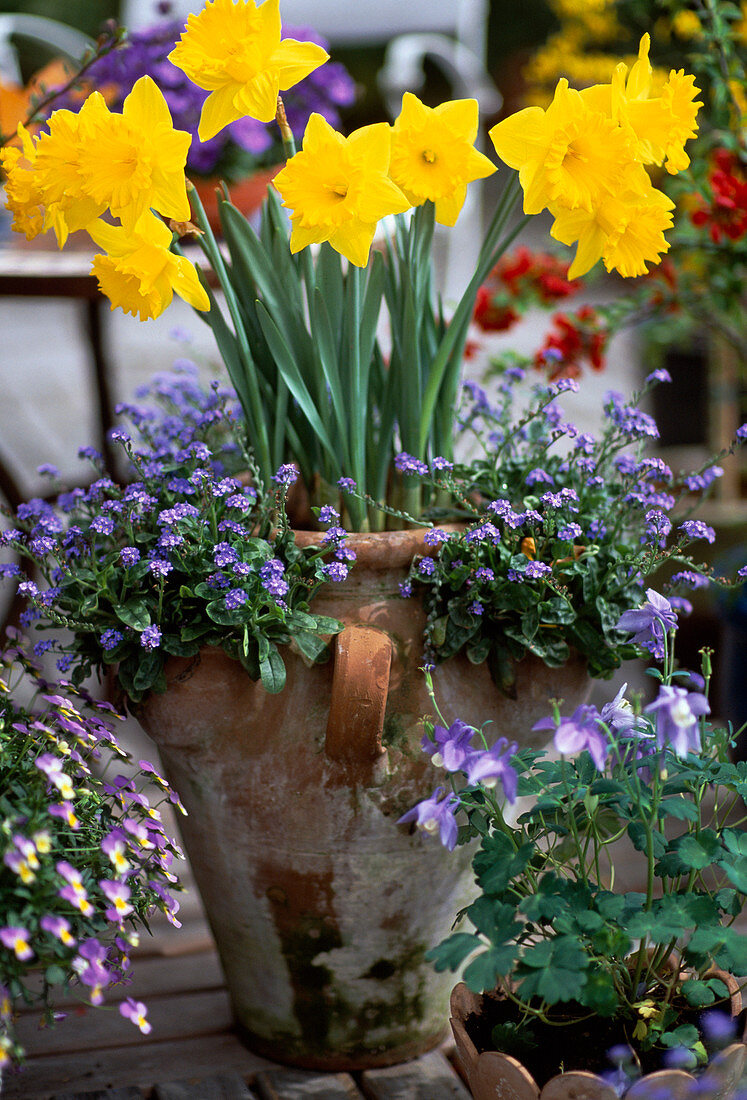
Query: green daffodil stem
x=448 y=359
x=246 y=386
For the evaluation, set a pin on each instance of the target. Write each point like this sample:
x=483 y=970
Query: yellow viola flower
x=433 y=155
x=339 y=188
x=233 y=50
x=626 y=232
x=22 y=194
x=139 y=273
x=569 y=155
x=134 y=161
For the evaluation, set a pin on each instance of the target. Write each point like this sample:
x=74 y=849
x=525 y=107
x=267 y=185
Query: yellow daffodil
x=68 y=205
x=626 y=232
x=433 y=154
x=134 y=161
x=660 y=125
x=569 y=155
x=139 y=273
x=339 y=188
x=233 y=50
x=23 y=197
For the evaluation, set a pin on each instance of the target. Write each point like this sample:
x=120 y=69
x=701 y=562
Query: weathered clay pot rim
x=489 y=1064
x=381 y=549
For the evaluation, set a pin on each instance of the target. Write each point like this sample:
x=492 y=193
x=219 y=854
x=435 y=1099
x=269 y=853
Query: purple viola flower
x=59 y=928
x=677 y=711
x=650 y=622
x=436 y=815
x=136 y=1012
x=491 y=765
x=119 y=896
x=581 y=731
x=449 y=747
x=16 y=939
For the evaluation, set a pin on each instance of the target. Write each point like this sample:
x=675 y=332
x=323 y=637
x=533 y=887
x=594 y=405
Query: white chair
x=59 y=39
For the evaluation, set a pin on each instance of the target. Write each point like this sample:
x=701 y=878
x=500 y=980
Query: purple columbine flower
x=581 y=731
x=436 y=815
x=649 y=623
x=618 y=714
x=449 y=747
x=492 y=765
x=677 y=711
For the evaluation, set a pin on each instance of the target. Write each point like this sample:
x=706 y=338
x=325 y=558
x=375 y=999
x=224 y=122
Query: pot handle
x=360 y=683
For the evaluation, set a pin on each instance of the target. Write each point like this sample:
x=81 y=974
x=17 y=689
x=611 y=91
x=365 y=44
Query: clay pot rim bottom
x=340 y=1063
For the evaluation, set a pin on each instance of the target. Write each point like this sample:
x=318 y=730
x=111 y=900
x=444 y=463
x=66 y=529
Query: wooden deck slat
x=228 y=1086
x=291 y=1084
x=189 y=1057
x=172 y=1017
x=129 y=1093
x=151 y=976
x=430 y=1077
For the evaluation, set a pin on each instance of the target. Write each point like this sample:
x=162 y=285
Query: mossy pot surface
x=322 y=906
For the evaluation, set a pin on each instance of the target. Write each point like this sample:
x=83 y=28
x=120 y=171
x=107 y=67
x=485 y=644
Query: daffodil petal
x=519 y=137
x=217 y=111
x=295 y=60
x=449 y=207
x=353 y=240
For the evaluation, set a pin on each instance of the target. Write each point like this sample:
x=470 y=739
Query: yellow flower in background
x=136 y=160
x=339 y=188
x=139 y=273
x=569 y=155
x=626 y=232
x=233 y=50
x=433 y=155
x=22 y=194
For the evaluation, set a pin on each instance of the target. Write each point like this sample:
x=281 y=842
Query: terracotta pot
x=322 y=906
x=247 y=195
x=491 y=1074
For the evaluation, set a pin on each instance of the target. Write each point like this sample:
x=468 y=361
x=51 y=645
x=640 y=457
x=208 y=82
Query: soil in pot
x=553 y=1050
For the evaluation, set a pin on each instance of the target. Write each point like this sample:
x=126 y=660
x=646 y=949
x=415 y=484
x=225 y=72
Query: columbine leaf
x=484 y=971
x=451 y=953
